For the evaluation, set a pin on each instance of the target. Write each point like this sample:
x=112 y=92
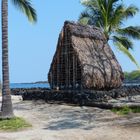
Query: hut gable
x=83 y=59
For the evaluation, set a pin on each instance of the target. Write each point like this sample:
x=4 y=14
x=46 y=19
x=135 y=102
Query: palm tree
x=109 y=16
x=26 y=7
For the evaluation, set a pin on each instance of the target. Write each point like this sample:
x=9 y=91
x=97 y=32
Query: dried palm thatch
x=84 y=60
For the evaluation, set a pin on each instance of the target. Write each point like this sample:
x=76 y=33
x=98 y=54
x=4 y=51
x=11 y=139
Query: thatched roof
x=99 y=66
x=79 y=30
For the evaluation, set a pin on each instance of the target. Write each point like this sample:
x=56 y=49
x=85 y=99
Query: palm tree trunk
x=6 y=109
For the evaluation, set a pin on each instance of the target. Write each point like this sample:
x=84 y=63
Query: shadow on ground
x=85 y=119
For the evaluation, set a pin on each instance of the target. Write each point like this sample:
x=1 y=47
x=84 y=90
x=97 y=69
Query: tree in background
x=26 y=7
x=109 y=16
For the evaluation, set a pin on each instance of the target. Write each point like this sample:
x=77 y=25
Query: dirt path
x=63 y=122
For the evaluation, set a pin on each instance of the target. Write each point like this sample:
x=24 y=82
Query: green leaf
x=84 y=18
x=130 y=11
x=124 y=41
x=26 y=7
x=131 y=31
x=127 y=53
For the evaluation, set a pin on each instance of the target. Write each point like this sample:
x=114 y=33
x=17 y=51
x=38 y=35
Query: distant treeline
x=134 y=75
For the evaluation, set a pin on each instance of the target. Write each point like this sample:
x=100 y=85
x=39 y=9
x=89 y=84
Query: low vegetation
x=134 y=75
x=126 y=110
x=14 y=124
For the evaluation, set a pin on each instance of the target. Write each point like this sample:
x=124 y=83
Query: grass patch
x=14 y=124
x=126 y=110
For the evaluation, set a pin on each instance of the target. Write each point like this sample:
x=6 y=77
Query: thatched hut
x=84 y=60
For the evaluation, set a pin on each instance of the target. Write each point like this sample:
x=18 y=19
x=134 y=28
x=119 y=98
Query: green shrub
x=126 y=110
x=14 y=124
x=136 y=110
x=122 y=111
x=132 y=75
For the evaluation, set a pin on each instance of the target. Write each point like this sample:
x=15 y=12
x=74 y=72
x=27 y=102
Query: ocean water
x=29 y=85
x=46 y=85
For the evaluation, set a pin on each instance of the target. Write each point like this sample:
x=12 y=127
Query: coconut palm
x=109 y=15
x=26 y=7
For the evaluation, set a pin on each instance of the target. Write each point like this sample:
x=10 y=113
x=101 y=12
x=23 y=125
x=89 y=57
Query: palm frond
x=126 y=52
x=26 y=7
x=111 y=4
x=91 y=4
x=131 y=31
x=127 y=43
x=130 y=11
x=84 y=18
x=115 y=19
x=87 y=17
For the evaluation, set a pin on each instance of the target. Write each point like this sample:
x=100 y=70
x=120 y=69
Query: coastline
x=37 y=82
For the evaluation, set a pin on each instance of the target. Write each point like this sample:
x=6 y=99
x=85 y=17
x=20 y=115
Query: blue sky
x=31 y=47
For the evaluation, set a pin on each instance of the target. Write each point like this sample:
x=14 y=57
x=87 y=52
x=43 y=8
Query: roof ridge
x=84 y=31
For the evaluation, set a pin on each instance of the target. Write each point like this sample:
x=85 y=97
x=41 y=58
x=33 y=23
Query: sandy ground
x=65 y=122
